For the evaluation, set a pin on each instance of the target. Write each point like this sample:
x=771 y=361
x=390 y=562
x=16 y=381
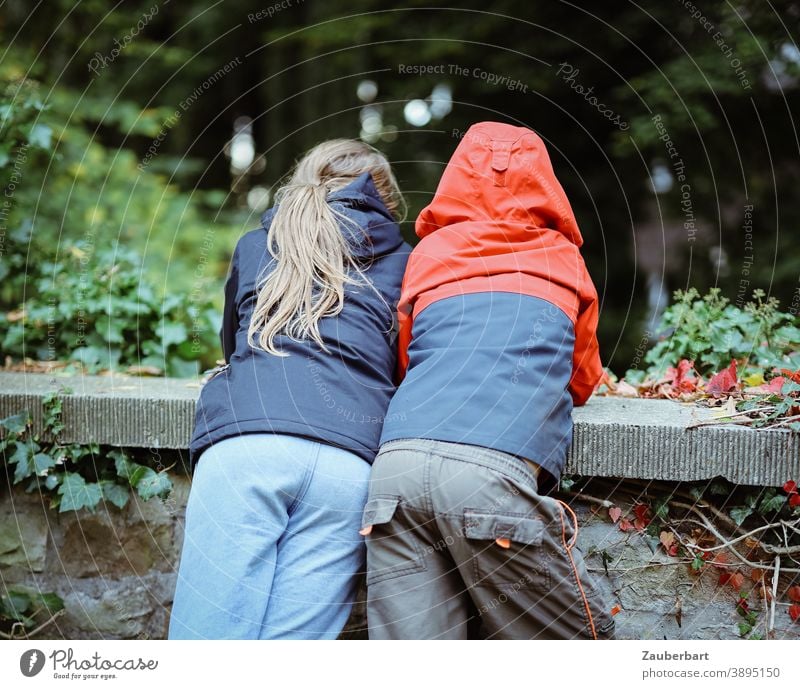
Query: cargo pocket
x=507 y=550
x=392 y=550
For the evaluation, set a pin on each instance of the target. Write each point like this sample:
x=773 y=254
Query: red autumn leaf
x=724 y=577
x=615 y=513
x=794 y=500
x=774 y=386
x=626 y=525
x=736 y=581
x=790 y=487
x=743 y=605
x=643 y=517
x=794 y=594
x=667 y=539
x=720 y=559
x=679 y=379
x=792 y=375
x=724 y=381
x=794 y=611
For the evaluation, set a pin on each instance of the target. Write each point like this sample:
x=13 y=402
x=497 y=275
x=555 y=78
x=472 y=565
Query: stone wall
x=116 y=569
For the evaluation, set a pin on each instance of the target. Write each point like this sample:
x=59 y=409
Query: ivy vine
x=74 y=476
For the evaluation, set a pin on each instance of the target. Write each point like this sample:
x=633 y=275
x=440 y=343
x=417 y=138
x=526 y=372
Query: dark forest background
x=138 y=140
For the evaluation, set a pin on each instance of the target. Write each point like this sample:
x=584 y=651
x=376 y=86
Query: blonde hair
x=313 y=260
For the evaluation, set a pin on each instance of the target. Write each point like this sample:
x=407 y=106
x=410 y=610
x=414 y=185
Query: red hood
x=500 y=171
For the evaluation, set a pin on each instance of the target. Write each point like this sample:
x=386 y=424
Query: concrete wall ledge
x=614 y=437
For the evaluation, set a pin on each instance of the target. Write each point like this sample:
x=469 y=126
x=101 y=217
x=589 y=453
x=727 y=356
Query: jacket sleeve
x=405 y=311
x=230 y=313
x=587 y=368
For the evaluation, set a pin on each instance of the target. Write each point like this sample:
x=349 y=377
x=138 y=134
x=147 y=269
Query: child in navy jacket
x=286 y=432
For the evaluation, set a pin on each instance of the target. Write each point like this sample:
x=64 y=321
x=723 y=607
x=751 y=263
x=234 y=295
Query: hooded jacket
x=339 y=397
x=497 y=314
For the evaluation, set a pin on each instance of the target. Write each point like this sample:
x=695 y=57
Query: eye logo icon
x=31 y=662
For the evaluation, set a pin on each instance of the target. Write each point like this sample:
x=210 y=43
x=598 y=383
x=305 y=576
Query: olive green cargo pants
x=460 y=545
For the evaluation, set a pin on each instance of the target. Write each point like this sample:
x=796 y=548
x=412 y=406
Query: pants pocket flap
x=379 y=511
x=515 y=527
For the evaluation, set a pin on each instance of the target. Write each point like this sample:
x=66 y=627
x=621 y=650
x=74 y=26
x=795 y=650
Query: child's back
x=504 y=312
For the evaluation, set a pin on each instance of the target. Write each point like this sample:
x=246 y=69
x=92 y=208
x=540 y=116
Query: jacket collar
x=375 y=232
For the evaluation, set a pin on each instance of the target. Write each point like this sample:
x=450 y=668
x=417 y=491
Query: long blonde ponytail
x=313 y=260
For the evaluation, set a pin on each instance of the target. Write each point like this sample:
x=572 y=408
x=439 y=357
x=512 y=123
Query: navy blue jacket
x=339 y=397
x=490 y=369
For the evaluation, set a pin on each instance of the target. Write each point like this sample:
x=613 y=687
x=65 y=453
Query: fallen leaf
x=791 y=375
x=667 y=539
x=752 y=543
x=794 y=611
x=643 y=517
x=720 y=559
x=626 y=525
x=616 y=610
x=790 y=487
x=753 y=380
x=724 y=381
x=794 y=500
x=736 y=581
x=625 y=389
x=775 y=385
x=615 y=513
x=641 y=510
x=679 y=380
x=794 y=594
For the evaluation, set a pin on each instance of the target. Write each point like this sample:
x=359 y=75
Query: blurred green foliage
x=724 y=85
x=99 y=262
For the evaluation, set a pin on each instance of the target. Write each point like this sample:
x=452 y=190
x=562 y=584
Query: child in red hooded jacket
x=497 y=343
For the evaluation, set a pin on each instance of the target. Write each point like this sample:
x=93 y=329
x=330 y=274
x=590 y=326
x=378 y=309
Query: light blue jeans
x=271 y=545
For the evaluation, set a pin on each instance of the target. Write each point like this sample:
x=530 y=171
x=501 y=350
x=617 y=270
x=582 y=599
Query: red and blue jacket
x=497 y=313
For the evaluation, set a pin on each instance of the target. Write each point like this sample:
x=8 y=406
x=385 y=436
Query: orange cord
x=572 y=562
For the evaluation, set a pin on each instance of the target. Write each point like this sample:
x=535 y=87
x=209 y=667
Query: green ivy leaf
x=52 y=481
x=771 y=504
x=739 y=514
x=76 y=493
x=124 y=466
x=171 y=333
x=16 y=423
x=50 y=602
x=23 y=458
x=149 y=483
x=110 y=328
x=115 y=493
x=15 y=604
x=42 y=463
